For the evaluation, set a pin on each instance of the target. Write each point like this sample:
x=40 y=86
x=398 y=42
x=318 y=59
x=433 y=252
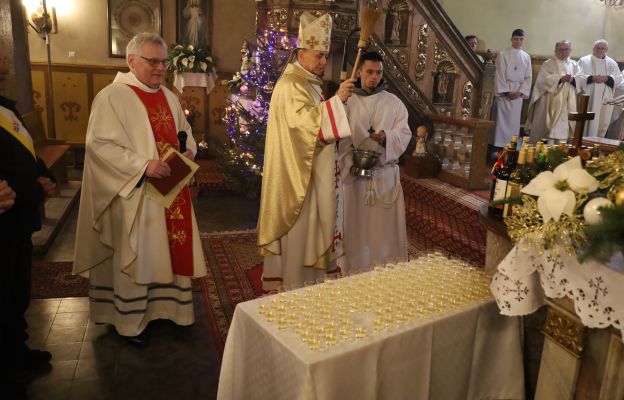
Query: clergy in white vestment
x=374 y=208
x=553 y=97
x=512 y=85
x=299 y=226
x=598 y=77
x=139 y=255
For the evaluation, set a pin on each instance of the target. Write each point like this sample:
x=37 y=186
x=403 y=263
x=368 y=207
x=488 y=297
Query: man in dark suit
x=25 y=175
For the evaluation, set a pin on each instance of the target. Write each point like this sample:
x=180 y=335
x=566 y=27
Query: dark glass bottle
x=518 y=178
x=499 y=184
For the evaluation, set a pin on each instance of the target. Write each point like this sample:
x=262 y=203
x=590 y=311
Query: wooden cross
x=580 y=117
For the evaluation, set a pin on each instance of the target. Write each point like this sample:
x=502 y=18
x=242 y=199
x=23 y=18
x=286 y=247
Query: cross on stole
x=580 y=117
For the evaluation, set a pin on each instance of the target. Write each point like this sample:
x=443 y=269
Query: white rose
x=190 y=47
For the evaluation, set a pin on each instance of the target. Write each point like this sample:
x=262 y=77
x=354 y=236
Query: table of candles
x=423 y=329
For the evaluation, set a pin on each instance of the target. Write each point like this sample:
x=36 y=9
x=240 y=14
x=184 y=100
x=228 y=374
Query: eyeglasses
x=153 y=62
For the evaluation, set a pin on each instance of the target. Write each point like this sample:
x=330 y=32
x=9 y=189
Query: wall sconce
x=43 y=21
x=41 y=17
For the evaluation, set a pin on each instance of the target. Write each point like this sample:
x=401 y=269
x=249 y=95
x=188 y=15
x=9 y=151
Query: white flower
x=190 y=47
x=190 y=65
x=209 y=59
x=192 y=58
x=203 y=66
x=179 y=47
x=556 y=189
x=185 y=62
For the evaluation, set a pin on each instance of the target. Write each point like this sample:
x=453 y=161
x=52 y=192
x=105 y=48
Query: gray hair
x=601 y=41
x=564 y=41
x=136 y=44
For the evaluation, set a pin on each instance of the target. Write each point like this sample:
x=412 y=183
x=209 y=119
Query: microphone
x=182 y=135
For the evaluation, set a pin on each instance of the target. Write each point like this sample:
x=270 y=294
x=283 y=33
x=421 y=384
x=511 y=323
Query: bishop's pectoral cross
x=580 y=117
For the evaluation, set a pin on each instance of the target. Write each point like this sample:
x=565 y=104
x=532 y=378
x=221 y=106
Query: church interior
x=515 y=299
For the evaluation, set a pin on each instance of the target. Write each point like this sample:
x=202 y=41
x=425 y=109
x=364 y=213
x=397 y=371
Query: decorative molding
x=68 y=108
x=440 y=57
x=398 y=76
x=400 y=53
x=565 y=331
x=277 y=18
x=466 y=101
x=423 y=39
x=343 y=21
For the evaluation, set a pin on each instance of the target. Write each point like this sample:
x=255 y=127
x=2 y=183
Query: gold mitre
x=314 y=33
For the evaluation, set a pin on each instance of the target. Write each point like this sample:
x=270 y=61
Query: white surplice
x=513 y=74
x=121 y=239
x=551 y=101
x=598 y=92
x=375 y=233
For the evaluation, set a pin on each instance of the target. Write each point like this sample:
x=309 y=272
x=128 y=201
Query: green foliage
x=606 y=238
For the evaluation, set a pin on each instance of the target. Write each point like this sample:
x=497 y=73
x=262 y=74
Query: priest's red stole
x=178 y=215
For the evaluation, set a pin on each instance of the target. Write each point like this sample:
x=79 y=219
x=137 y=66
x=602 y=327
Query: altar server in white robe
x=139 y=256
x=553 y=97
x=597 y=79
x=374 y=212
x=513 y=84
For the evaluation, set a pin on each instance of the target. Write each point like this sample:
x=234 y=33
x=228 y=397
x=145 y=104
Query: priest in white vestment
x=139 y=256
x=597 y=79
x=513 y=84
x=553 y=97
x=298 y=225
x=374 y=208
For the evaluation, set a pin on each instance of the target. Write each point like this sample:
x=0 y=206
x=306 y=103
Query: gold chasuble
x=300 y=166
x=178 y=215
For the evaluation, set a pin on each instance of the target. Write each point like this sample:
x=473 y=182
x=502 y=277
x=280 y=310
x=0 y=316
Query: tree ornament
x=244 y=90
x=592 y=213
x=619 y=197
x=268 y=88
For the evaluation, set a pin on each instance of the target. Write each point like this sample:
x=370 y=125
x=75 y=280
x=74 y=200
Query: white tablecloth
x=473 y=353
x=197 y=79
x=525 y=279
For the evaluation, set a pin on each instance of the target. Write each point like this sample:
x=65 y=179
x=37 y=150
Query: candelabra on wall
x=42 y=19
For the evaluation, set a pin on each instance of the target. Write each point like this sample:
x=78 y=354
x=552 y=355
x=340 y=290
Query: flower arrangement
x=578 y=208
x=189 y=59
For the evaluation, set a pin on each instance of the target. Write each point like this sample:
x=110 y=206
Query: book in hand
x=179 y=170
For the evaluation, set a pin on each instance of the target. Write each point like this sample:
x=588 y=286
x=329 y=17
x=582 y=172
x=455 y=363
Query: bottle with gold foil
x=541 y=160
x=499 y=184
x=530 y=163
x=518 y=178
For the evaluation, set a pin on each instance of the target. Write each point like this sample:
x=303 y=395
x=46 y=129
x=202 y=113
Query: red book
x=179 y=170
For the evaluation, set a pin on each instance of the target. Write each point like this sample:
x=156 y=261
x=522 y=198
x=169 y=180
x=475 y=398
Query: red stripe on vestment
x=332 y=120
x=320 y=136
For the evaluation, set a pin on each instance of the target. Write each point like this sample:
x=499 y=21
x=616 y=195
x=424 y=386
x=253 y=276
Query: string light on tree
x=242 y=157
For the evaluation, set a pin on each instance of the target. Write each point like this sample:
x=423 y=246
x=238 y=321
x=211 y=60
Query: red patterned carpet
x=443 y=217
x=51 y=280
x=233 y=263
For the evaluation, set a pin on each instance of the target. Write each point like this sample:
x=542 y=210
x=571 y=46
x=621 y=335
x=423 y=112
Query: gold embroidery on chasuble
x=178 y=216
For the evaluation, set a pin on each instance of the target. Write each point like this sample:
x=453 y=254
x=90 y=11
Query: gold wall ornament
x=278 y=18
x=421 y=50
x=565 y=331
x=400 y=53
x=343 y=21
x=441 y=58
x=466 y=101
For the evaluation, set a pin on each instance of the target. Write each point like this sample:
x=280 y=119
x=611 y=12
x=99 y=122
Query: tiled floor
x=92 y=362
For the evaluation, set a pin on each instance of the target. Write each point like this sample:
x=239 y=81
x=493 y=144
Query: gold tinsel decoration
x=609 y=171
x=568 y=231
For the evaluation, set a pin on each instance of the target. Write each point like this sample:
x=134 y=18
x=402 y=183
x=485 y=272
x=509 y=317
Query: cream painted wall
x=83 y=29
x=544 y=21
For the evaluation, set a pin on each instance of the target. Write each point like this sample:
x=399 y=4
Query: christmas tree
x=242 y=157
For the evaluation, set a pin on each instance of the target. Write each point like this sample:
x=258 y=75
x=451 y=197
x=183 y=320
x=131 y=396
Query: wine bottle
x=530 y=163
x=499 y=185
x=518 y=178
